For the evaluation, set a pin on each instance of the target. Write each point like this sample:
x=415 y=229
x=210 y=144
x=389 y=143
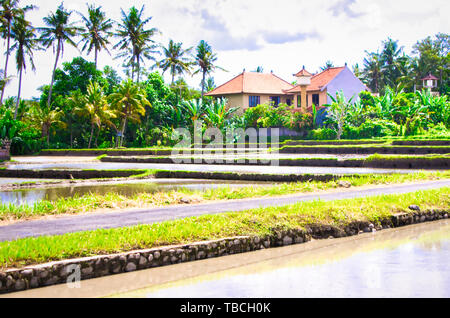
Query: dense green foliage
x=84 y=107
x=392 y=114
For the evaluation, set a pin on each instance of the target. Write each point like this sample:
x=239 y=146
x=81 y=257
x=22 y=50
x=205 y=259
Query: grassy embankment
x=93 y=202
x=259 y=222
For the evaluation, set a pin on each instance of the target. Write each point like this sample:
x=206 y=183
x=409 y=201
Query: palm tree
x=97 y=30
x=174 y=60
x=58 y=31
x=389 y=59
x=194 y=109
x=327 y=65
x=372 y=72
x=210 y=84
x=205 y=60
x=4 y=80
x=217 y=112
x=95 y=107
x=9 y=11
x=43 y=118
x=129 y=101
x=135 y=41
x=26 y=41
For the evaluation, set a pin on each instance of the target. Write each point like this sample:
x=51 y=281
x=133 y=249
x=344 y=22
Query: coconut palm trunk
x=123 y=131
x=8 y=46
x=138 y=68
x=96 y=56
x=58 y=51
x=90 y=138
x=203 y=84
x=18 y=93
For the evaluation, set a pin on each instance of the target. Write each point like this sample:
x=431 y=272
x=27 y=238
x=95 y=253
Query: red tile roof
x=303 y=72
x=253 y=83
x=429 y=77
x=320 y=80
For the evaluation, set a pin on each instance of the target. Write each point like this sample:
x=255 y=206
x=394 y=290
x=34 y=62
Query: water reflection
x=209 y=167
x=406 y=263
x=30 y=196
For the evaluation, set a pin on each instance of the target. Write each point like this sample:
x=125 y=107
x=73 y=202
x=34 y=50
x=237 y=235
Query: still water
x=410 y=262
x=407 y=262
x=30 y=196
x=205 y=167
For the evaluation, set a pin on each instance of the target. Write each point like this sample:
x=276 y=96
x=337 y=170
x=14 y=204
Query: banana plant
x=337 y=111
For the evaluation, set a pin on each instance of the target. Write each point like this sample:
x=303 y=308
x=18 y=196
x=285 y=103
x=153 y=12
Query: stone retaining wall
x=90 y=267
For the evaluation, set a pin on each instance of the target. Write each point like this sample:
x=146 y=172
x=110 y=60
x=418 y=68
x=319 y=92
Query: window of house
x=288 y=101
x=253 y=101
x=275 y=100
x=315 y=99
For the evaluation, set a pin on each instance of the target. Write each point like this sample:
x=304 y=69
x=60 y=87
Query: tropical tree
x=205 y=60
x=44 y=118
x=95 y=107
x=327 y=65
x=129 y=101
x=9 y=11
x=175 y=60
x=194 y=109
x=135 y=40
x=25 y=43
x=4 y=80
x=217 y=113
x=337 y=111
x=259 y=69
x=389 y=60
x=433 y=57
x=372 y=72
x=97 y=30
x=210 y=84
x=59 y=30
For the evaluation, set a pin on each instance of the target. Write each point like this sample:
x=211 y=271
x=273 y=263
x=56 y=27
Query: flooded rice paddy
x=41 y=163
x=405 y=262
x=129 y=188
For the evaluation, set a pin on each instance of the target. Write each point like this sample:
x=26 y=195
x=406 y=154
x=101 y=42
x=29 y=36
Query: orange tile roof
x=253 y=83
x=303 y=72
x=318 y=81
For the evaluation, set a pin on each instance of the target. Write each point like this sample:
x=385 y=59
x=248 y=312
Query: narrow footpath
x=121 y=218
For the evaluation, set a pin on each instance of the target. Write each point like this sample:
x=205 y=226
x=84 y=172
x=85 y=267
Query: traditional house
x=250 y=89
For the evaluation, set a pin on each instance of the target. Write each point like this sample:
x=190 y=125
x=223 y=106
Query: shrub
x=369 y=129
x=322 y=134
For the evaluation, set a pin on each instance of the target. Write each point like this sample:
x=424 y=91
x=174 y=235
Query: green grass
x=397 y=157
x=252 y=222
x=93 y=202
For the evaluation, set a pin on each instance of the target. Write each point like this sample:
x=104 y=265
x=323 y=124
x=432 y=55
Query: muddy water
x=408 y=262
x=30 y=196
x=205 y=167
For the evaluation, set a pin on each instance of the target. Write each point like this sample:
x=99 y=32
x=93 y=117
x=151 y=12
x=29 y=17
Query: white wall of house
x=348 y=83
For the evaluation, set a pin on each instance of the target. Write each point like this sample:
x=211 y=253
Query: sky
x=281 y=36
